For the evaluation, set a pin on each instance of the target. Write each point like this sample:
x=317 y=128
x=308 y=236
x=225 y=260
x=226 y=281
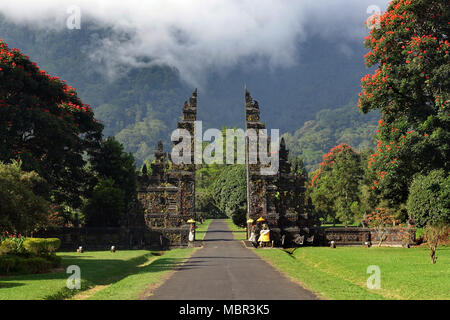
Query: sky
x=197 y=36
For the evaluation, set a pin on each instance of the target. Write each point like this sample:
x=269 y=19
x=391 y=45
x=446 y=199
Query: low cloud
x=199 y=36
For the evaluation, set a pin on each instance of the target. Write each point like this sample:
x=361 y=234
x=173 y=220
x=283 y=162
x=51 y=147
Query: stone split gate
x=167 y=197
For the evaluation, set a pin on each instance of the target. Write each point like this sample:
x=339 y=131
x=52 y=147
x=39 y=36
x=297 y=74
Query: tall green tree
x=110 y=161
x=334 y=188
x=298 y=166
x=229 y=193
x=106 y=205
x=113 y=185
x=23 y=207
x=411 y=89
x=45 y=125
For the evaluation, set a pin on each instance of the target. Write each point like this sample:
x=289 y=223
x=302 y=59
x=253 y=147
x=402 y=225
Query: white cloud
x=196 y=36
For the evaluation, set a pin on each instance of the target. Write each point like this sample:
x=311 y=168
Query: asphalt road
x=225 y=270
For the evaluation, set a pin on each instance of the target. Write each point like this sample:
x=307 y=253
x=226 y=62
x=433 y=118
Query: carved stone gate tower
x=278 y=198
x=167 y=195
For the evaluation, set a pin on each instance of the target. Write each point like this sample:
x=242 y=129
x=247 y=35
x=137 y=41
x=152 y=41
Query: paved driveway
x=225 y=270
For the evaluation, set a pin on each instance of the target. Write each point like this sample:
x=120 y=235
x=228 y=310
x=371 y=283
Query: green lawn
x=238 y=232
x=341 y=273
x=200 y=232
x=119 y=275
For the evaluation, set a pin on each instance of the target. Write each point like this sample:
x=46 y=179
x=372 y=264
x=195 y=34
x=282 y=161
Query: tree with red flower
x=411 y=89
x=44 y=124
x=334 y=188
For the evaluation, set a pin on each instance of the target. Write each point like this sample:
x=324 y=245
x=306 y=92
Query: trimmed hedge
x=8 y=246
x=33 y=255
x=41 y=246
x=34 y=265
x=12 y=264
x=8 y=264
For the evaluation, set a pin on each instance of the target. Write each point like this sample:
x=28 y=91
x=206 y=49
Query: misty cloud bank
x=198 y=36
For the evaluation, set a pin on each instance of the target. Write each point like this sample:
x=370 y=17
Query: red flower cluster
x=329 y=161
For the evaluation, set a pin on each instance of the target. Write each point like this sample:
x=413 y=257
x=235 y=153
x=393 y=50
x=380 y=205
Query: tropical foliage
x=45 y=125
x=410 y=88
x=23 y=204
x=334 y=186
x=429 y=199
x=229 y=193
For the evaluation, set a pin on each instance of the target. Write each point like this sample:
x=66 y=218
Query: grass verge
x=239 y=233
x=133 y=286
x=99 y=270
x=201 y=230
x=341 y=273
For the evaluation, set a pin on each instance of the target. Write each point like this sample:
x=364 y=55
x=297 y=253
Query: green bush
x=8 y=246
x=7 y=264
x=28 y=255
x=13 y=264
x=429 y=198
x=204 y=203
x=52 y=244
x=22 y=205
x=229 y=193
x=106 y=207
x=34 y=265
x=41 y=246
x=54 y=260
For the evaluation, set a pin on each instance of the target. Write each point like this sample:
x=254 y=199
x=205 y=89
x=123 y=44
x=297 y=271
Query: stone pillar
x=168 y=196
x=278 y=198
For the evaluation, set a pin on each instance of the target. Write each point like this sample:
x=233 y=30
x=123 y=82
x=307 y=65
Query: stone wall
x=358 y=236
x=122 y=238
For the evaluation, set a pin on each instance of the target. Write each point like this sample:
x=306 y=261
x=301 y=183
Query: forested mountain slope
x=330 y=127
x=141 y=106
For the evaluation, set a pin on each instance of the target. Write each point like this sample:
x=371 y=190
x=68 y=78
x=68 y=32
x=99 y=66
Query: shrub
x=28 y=265
x=7 y=264
x=41 y=246
x=54 y=260
x=429 y=199
x=52 y=244
x=106 y=207
x=34 y=265
x=7 y=246
x=381 y=220
x=23 y=208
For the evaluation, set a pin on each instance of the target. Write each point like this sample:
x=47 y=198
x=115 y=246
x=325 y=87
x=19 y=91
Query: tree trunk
x=433 y=254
